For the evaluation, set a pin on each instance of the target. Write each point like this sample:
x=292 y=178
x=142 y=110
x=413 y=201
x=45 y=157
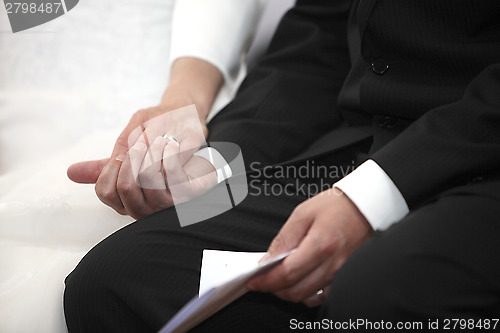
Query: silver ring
x=320 y=292
x=169 y=137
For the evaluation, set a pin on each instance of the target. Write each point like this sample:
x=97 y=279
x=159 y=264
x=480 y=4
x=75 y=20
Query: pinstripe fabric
x=444 y=73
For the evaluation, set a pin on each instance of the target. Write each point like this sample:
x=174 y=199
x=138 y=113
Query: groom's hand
x=325 y=229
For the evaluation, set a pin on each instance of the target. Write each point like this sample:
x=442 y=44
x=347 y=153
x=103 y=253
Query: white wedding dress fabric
x=67 y=89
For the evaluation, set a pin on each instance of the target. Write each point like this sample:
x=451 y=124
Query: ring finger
x=318 y=298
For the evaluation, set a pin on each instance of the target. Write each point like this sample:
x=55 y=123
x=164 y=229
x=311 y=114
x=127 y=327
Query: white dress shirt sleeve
x=374 y=194
x=219 y=32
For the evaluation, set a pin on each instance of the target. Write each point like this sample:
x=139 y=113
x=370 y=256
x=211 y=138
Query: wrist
x=176 y=97
x=193 y=81
x=363 y=227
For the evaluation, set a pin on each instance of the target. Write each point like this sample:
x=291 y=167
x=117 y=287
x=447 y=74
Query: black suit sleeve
x=448 y=145
x=289 y=98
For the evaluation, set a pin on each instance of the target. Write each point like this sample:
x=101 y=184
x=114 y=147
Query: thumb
x=86 y=172
x=291 y=234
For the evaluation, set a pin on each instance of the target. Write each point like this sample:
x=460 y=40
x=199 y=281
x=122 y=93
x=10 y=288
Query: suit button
x=388 y=122
x=379 y=66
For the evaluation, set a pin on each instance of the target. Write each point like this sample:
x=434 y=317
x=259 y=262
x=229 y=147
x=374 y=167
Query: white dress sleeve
x=219 y=32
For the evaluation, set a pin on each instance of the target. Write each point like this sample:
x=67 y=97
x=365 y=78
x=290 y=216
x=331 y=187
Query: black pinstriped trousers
x=137 y=278
x=439 y=262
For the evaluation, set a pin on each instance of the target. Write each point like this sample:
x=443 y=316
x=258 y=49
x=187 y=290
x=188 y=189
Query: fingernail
x=120 y=157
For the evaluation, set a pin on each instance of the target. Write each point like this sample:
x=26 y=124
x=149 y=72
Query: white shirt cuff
x=375 y=195
x=219 y=163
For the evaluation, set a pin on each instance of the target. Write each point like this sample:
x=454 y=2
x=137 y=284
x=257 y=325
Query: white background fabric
x=66 y=90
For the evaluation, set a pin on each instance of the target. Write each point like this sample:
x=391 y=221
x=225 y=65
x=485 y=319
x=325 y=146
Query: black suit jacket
x=427 y=90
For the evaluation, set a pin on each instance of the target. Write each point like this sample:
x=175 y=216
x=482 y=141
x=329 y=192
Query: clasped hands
x=151 y=166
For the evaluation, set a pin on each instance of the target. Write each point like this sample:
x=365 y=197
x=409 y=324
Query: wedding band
x=169 y=137
x=320 y=292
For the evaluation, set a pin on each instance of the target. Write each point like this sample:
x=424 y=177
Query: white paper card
x=218 y=267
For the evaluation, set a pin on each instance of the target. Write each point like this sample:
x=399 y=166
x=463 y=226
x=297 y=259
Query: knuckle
x=104 y=193
x=124 y=188
x=326 y=247
x=290 y=276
